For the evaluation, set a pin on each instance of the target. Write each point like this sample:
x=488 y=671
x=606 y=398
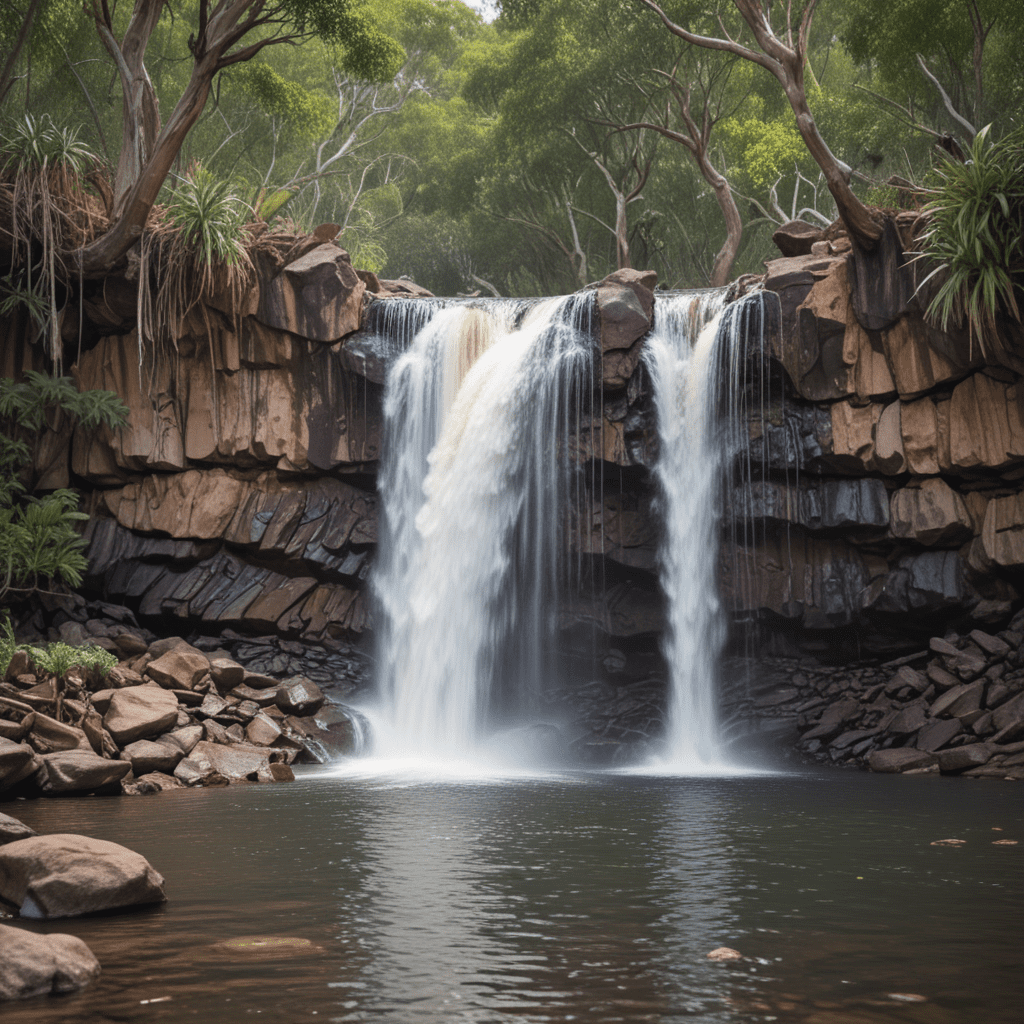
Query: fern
x=58 y=659
x=39 y=541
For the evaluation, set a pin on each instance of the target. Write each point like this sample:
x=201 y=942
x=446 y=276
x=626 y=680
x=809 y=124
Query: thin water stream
x=575 y=897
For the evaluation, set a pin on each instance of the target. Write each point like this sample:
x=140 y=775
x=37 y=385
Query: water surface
x=580 y=897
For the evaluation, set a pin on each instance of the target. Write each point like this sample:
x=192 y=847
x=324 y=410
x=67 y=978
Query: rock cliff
x=881 y=501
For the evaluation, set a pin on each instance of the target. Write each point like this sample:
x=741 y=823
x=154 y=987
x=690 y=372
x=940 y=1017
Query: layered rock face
x=879 y=501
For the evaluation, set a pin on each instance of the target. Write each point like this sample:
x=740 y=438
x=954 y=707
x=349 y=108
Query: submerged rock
x=40 y=965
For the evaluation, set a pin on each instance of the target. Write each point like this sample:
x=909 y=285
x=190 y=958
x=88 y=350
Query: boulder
x=185 y=737
x=936 y=734
x=226 y=673
x=299 y=696
x=1003 y=531
x=79 y=771
x=140 y=711
x=235 y=762
x=17 y=762
x=198 y=773
x=147 y=756
x=48 y=735
x=180 y=668
x=11 y=829
x=972 y=755
x=795 y=237
x=40 y=965
x=68 y=875
x=151 y=782
x=625 y=303
x=318 y=296
x=899 y=759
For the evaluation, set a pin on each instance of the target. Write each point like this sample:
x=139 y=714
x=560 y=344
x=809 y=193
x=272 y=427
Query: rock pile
x=169 y=714
x=956 y=708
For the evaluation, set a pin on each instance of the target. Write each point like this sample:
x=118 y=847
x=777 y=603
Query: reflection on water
x=576 y=898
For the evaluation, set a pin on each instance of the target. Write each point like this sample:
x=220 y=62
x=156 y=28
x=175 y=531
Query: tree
x=784 y=57
x=225 y=33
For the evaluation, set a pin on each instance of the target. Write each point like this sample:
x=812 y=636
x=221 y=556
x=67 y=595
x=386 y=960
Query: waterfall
x=682 y=356
x=478 y=412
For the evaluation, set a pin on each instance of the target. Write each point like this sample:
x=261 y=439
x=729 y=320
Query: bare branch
x=947 y=102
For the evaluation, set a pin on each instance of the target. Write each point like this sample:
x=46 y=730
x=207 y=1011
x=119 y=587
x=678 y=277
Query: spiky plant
x=43 y=167
x=975 y=236
x=196 y=249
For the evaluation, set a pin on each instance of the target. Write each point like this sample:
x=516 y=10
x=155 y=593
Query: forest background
x=495 y=157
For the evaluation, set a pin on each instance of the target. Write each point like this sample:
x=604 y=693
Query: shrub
x=976 y=235
x=39 y=541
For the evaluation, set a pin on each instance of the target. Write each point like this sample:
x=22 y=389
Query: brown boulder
x=79 y=771
x=986 y=423
x=17 y=762
x=68 y=875
x=318 y=296
x=795 y=237
x=147 y=756
x=41 y=965
x=299 y=696
x=226 y=673
x=623 y=317
x=235 y=762
x=180 y=668
x=140 y=711
x=972 y=755
x=1003 y=532
x=47 y=734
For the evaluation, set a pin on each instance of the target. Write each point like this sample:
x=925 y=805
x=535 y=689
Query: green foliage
x=39 y=540
x=976 y=234
x=767 y=149
x=309 y=114
x=34 y=144
x=56 y=659
x=209 y=216
x=368 y=52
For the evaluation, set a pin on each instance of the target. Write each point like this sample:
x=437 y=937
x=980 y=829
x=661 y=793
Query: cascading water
x=681 y=356
x=477 y=416
x=698 y=358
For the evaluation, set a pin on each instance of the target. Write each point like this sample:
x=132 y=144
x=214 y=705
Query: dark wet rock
x=899 y=759
x=972 y=755
x=68 y=875
x=937 y=734
x=39 y=965
x=909 y=720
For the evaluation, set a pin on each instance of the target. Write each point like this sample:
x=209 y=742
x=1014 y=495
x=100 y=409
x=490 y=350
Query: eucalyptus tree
x=221 y=34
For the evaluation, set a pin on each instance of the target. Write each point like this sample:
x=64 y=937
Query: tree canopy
x=507 y=155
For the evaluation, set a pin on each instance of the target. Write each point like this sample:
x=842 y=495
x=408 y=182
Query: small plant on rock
x=976 y=236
